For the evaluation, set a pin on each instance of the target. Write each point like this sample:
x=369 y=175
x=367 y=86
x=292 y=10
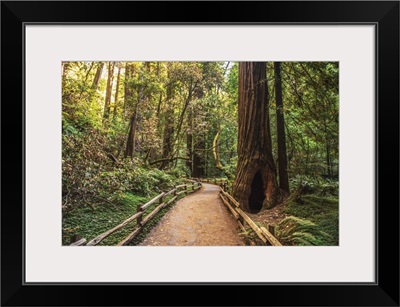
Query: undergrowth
x=99 y=193
x=90 y=223
x=313 y=218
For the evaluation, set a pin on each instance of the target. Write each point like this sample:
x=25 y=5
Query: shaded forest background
x=133 y=129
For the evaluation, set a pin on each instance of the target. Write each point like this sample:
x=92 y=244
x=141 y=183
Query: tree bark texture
x=97 y=77
x=128 y=92
x=280 y=122
x=255 y=186
x=198 y=169
x=107 y=101
x=116 y=92
x=131 y=139
x=169 y=127
x=216 y=154
x=189 y=142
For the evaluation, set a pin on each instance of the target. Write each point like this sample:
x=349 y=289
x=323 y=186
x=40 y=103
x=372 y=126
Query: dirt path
x=200 y=219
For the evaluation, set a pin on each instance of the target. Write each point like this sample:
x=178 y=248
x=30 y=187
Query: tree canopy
x=138 y=127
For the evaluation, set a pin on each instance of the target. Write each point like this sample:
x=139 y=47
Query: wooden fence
x=140 y=217
x=266 y=234
x=222 y=182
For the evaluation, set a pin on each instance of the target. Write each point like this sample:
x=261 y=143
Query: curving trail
x=200 y=219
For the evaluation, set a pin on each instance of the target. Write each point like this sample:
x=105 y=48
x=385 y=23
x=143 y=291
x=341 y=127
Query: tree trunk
x=110 y=78
x=198 y=156
x=128 y=92
x=131 y=139
x=186 y=104
x=280 y=122
x=168 y=136
x=215 y=148
x=116 y=92
x=169 y=127
x=97 y=77
x=189 y=142
x=255 y=185
x=218 y=163
x=85 y=81
x=328 y=160
x=65 y=68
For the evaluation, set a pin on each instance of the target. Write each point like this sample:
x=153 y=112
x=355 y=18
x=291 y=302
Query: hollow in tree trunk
x=255 y=186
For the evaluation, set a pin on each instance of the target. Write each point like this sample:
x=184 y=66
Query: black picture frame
x=383 y=14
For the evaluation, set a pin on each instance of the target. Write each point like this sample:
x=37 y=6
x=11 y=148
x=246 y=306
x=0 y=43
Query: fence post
x=139 y=218
x=175 y=190
x=160 y=201
x=75 y=238
x=271 y=229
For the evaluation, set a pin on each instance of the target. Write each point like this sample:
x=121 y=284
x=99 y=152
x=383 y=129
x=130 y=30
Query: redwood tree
x=255 y=185
x=280 y=122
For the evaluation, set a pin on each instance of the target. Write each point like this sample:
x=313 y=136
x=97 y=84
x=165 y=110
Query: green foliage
x=91 y=178
x=89 y=223
x=232 y=84
x=312 y=220
x=147 y=181
x=197 y=99
x=180 y=171
x=297 y=231
x=315 y=185
x=311 y=108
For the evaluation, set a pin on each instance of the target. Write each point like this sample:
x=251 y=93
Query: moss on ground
x=90 y=222
x=313 y=220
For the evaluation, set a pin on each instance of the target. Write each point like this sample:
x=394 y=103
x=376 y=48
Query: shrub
x=297 y=231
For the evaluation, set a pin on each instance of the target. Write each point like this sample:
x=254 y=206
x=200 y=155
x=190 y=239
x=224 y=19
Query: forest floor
x=271 y=217
x=200 y=219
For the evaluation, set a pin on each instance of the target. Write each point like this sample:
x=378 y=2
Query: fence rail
x=141 y=220
x=222 y=182
x=267 y=236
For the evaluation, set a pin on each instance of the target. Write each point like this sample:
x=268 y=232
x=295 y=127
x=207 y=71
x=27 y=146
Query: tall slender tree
x=198 y=160
x=117 y=91
x=110 y=79
x=97 y=77
x=169 y=126
x=280 y=122
x=131 y=138
x=128 y=88
x=255 y=185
